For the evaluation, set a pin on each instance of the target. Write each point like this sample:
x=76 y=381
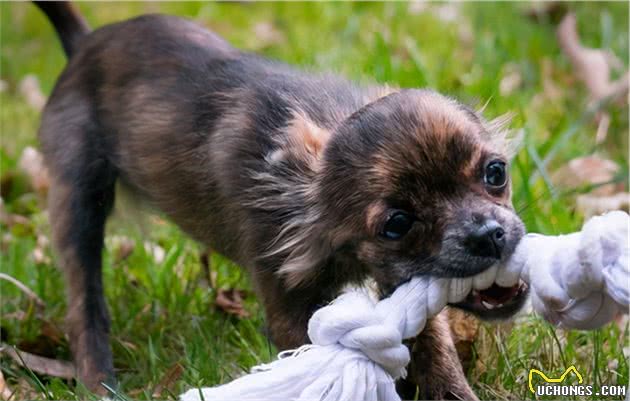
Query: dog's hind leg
x=80 y=199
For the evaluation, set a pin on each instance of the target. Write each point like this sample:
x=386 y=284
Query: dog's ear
x=305 y=141
x=501 y=138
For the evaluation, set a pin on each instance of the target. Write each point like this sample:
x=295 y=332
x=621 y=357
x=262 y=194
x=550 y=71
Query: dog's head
x=415 y=184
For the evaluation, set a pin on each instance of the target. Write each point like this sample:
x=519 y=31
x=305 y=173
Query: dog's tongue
x=497 y=295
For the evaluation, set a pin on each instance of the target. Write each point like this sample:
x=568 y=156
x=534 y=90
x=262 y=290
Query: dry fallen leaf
x=29 y=88
x=593 y=67
x=266 y=34
x=40 y=253
x=446 y=12
x=622 y=321
x=156 y=251
x=168 y=380
x=231 y=302
x=480 y=368
x=32 y=164
x=588 y=170
x=10 y=219
x=511 y=80
x=39 y=364
x=129 y=345
x=46 y=343
x=122 y=247
x=416 y=7
x=590 y=205
x=464 y=328
x=18 y=315
x=208 y=276
x=542 y=11
x=5 y=391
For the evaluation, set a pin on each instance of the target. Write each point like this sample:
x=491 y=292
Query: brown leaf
x=592 y=66
x=542 y=11
x=231 y=302
x=39 y=364
x=417 y=7
x=128 y=344
x=52 y=331
x=5 y=391
x=511 y=80
x=621 y=320
x=29 y=88
x=10 y=219
x=24 y=389
x=46 y=343
x=40 y=254
x=32 y=164
x=168 y=380
x=588 y=170
x=592 y=205
x=136 y=392
x=156 y=251
x=17 y=315
x=446 y=12
x=603 y=122
x=208 y=276
x=122 y=247
x=464 y=328
x=266 y=34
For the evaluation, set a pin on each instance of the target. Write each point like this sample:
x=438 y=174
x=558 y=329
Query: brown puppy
x=308 y=181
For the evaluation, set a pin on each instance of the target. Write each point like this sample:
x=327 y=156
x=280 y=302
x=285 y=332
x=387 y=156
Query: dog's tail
x=70 y=25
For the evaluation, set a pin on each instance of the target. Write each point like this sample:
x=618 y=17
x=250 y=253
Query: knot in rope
x=377 y=329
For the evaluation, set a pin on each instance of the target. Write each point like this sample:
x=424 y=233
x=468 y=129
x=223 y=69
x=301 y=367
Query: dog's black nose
x=488 y=240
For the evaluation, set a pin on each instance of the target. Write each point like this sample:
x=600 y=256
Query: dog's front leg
x=435 y=371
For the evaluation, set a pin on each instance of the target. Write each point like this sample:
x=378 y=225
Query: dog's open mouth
x=495 y=302
x=490 y=300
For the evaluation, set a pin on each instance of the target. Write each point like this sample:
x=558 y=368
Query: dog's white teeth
x=507 y=277
x=485 y=279
x=487 y=305
x=459 y=289
x=490 y=306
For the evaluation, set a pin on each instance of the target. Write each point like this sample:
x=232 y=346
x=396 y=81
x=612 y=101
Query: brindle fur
x=289 y=174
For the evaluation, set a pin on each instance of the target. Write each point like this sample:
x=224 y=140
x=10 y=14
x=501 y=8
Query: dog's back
x=170 y=108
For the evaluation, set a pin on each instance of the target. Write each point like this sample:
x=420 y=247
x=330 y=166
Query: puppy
x=308 y=181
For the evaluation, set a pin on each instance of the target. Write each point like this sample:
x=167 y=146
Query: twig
x=29 y=293
x=39 y=364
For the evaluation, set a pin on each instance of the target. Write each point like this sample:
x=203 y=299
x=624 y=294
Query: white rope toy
x=579 y=280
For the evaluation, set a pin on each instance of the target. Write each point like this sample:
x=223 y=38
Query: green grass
x=163 y=313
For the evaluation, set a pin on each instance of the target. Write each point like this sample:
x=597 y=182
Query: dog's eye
x=397 y=225
x=495 y=174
